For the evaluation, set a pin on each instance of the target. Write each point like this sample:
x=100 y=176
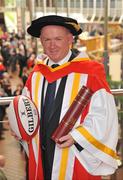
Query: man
x=88 y=151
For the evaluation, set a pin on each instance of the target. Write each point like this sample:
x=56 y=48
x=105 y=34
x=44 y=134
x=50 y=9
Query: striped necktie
x=49 y=98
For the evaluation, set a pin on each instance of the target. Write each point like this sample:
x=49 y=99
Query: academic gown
x=93 y=131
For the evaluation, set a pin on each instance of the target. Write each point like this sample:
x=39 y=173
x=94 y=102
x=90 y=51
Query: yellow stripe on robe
x=36 y=99
x=96 y=143
x=37 y=81
x=65 y=152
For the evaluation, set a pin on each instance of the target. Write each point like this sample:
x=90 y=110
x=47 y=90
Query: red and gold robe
x=96 y=130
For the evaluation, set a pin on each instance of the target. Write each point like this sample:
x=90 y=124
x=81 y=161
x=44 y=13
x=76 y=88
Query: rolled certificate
x=73 y=113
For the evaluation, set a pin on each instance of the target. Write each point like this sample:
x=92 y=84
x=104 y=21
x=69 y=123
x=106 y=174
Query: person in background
x=18 y=90
x=6 y=84
x=2 y=108
x=31 y=61
x=88 y=151
x=2 y=115
x=2 y=161
x=25 y=75
x=2 y=164
x=2 y=67
x=5 y=52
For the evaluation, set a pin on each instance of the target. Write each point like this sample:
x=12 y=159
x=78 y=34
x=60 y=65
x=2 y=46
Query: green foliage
x=114 y=84
x=120 y=115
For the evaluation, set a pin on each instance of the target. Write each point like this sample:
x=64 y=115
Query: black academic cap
x=35 y=28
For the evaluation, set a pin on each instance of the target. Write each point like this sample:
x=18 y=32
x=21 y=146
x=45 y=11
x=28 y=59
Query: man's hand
x=66 y=141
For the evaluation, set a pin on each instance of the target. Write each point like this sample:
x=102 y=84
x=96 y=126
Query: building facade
x=82 y=10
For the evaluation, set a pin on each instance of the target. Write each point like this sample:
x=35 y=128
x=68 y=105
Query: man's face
x=56 y=41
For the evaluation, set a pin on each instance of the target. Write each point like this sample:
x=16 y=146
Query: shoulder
x=91 y=67
x=97 y=67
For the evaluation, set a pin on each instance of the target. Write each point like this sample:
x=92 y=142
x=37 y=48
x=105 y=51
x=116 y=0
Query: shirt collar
x=64 y=60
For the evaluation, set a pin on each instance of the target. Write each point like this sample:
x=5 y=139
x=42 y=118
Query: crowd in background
x=16 y=60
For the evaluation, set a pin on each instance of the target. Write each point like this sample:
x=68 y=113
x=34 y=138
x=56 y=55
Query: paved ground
x=15 y=160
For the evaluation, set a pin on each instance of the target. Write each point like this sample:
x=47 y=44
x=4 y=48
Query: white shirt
x=50 y=63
